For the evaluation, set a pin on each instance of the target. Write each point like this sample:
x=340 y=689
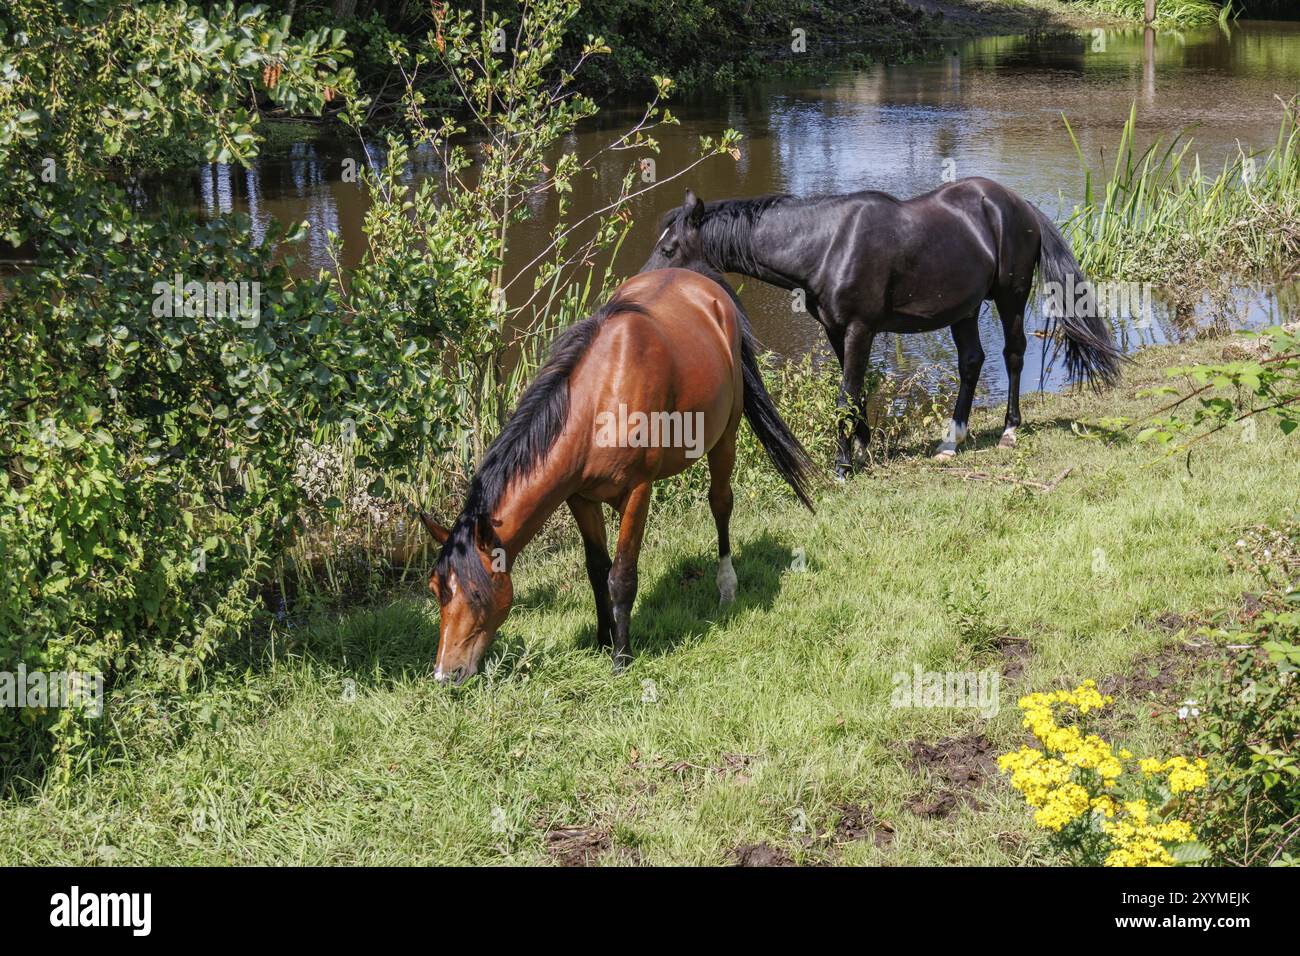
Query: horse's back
x=678 y=353
x=924 y=263
x=677 y=299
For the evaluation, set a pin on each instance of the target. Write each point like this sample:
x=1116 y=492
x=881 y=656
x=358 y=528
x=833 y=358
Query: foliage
x=1101 y=806
x=968 y=609
x=1249 y=720
x=146 y=433
x=1232 y=393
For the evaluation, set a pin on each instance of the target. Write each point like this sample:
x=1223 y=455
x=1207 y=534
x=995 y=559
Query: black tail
x=787 y=454
x=1090 y=352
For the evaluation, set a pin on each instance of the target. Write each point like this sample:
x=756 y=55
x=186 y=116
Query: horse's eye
x=670 y=249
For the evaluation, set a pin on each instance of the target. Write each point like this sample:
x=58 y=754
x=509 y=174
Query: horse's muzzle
x=454 y=677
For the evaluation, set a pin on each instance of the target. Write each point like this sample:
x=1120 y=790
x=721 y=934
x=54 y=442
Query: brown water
x=989 y=107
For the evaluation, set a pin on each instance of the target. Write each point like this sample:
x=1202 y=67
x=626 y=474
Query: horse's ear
x=693 y=209
x=440 y=534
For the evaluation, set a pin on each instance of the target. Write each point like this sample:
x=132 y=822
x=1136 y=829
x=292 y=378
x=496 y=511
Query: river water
x=989 y=107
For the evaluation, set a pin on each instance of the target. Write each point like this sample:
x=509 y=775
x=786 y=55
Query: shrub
x=151 y=418
x=1249 y=718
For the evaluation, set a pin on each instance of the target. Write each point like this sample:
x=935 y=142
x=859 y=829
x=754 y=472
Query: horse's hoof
x=943 y=454
x=621 y=663
x=1008 y=439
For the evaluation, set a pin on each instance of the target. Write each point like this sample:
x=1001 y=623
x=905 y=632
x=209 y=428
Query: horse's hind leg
x=591 y=522
x=970 y=359
x=622 y=576
x=1011 y=309
x=722 y=458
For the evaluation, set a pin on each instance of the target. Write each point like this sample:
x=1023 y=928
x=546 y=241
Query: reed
x=1159 y=217
x=1169 y=13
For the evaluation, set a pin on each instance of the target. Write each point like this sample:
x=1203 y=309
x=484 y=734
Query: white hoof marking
x=955 y=435
x=726 y=580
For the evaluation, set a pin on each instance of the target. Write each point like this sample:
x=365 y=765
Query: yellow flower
x=1063 y=804
x=1105 y=805
x=1185 y=775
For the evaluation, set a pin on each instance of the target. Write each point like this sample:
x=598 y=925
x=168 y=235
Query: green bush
x=1245 y=715
x=149 y=430
x=1248 y=728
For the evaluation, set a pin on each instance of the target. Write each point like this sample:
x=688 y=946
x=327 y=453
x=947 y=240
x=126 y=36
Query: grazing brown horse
x=657 y=378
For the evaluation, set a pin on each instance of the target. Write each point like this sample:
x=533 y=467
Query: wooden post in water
x=1149 y=65
x=1151 y=12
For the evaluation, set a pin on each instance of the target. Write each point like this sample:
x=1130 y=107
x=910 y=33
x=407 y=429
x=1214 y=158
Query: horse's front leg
x=591 y=522
x=855 y=357
x=622 y=576
x=970 y=359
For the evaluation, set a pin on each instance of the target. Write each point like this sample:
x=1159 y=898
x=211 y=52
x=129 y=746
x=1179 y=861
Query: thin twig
x=970 y=475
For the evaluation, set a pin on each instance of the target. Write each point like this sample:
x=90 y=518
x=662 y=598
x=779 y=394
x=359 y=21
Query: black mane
x=523 y=443
x=726 y=229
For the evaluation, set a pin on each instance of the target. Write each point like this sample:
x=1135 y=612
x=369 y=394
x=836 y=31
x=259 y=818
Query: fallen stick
x=967 y=475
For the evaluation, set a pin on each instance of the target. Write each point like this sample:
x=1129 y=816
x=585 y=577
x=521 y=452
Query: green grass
x=274 y=760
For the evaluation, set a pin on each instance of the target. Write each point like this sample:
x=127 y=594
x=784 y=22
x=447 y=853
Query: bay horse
x=870 y=263
x=671 y=346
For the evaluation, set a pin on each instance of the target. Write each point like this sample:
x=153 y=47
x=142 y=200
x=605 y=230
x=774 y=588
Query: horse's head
x=680 y=245
x=472 y=584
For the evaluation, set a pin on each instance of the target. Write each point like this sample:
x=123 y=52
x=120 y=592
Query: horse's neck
x=528 y=502
x=770 y=252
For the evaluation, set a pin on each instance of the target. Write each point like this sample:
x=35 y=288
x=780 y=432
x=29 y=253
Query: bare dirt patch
x=1160 y=677
x=957 y=765
x=1014 y=653
x=759 y=854
x=859 y=822
x=585 y=846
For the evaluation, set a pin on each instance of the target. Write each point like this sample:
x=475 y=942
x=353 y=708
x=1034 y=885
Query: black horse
x=869 y=263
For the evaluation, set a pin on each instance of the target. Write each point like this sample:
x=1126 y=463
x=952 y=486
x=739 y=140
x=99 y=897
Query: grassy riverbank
x=764 y=732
